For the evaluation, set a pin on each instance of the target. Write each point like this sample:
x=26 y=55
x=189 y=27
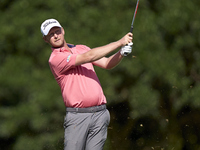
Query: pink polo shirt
x=79 y=85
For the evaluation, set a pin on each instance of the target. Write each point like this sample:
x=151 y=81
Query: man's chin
x=57 y=45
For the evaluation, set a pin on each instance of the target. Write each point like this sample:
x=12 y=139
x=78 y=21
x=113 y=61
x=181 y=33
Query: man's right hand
x=126 y=39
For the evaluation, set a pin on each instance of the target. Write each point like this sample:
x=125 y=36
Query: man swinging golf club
x=87 y=118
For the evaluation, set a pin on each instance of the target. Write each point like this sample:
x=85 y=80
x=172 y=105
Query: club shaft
x=134 y=16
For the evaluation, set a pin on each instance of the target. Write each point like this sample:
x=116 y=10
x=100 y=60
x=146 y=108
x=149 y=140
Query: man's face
x=55 y=37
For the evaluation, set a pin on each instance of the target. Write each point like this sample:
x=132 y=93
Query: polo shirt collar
x=63 y=49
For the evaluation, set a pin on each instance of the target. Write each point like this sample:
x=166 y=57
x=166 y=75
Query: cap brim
x=49 y=28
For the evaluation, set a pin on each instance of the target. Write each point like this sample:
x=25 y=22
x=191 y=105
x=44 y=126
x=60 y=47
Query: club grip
x=131 y=30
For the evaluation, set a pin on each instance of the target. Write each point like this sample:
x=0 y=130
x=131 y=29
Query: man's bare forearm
x=100 y=52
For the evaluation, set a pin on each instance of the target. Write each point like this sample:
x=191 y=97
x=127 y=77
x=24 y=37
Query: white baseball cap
x=48 y=24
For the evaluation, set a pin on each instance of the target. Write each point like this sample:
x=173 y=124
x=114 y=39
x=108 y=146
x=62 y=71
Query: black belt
x=86 y=110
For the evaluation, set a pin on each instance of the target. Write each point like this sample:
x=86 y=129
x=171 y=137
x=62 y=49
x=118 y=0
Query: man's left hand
x=127 y=49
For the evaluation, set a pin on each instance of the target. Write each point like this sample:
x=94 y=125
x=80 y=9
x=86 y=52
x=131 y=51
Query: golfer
x=87 y=118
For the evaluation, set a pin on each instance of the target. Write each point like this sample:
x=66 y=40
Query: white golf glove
x=127 y=49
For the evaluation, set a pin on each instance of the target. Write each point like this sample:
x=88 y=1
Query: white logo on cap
x=48 y=23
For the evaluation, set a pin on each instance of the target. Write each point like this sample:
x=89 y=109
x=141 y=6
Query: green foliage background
x=153 y=95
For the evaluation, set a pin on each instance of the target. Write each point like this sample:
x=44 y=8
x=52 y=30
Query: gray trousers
x=86 y=131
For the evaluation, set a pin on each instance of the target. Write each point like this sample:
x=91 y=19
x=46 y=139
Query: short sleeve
x=62 y=62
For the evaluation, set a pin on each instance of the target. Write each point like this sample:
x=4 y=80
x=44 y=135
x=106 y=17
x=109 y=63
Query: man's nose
x=55 y=35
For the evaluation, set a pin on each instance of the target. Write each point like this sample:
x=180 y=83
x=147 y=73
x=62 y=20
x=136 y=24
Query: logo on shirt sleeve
x=68 y=58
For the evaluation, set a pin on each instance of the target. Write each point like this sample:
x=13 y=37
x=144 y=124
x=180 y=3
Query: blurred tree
x=153 y=95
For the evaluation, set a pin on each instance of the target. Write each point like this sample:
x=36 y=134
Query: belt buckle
x=76 y=109
x=92 y=110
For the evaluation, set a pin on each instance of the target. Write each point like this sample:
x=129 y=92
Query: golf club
x=131 y=30
x=134 y=16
